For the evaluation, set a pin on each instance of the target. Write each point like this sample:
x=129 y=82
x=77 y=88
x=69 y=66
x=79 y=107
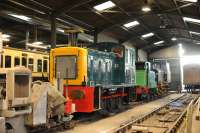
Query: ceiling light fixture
x=191 y=0
x=61 y=30
x=191 y=20
x=5 y=35
x=37 y=43
x=198 y=43
x=22 y=17
x=146 y=9
x=104 y=6
x=6 y=39
x=37 y=46
x=195 y=33
x=131 y=24
x=148 y=35
x=174 y=39
x=158 y=43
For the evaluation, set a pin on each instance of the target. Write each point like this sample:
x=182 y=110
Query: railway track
x=97 y=115
x=165 y=119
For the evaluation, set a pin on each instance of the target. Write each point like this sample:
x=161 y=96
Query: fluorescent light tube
x=192 y=20
x=104 y=6
x=5 y=35
x=191 y=0
x=146 y=9
x=37 y=46
x=148 y=35
x=131 y=24
x=37 y=43
x=195 y=33
x=174 y=39
x=6 y=39
x=22 y=17
x=61 y=30
x=158 y=43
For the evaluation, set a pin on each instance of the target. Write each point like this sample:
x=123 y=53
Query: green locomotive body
x=146 y=84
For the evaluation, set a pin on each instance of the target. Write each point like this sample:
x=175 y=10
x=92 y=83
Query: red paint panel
x=146 y=90
x=68 y=106
x=82 y=97
x=114 y=96
x=140 y=90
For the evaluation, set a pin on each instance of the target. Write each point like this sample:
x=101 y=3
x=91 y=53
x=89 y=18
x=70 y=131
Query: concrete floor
x=107 y=124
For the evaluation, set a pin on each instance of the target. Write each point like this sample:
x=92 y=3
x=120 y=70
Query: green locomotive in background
x=146 y=84
x=152 y=79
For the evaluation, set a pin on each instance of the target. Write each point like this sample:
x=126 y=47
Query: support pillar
x=53 y=31
x=27 y=38
x=95 y=37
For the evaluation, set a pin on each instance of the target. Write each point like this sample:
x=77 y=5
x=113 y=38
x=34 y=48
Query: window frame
x=10 y=61
x=41 y=65
x=76 y=66
x=44 y=65
x=26 y=61
x=16 y=57
x=2 y=61
x=31 y=64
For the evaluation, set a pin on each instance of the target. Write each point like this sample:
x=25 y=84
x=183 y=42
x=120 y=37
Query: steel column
x=95 y=36
x=53 y=31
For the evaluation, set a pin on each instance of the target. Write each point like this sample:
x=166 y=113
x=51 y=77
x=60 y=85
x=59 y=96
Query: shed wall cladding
x=142 y=55
x=105 y=38
x=171 y=55
x=167 y=53
x=175 y=73
x=190 y=49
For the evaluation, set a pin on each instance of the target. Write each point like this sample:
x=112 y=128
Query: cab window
x=66 y=67
x=16 y=61
x=24 y=61
x=2 y=61
x=39 y=65
x=7 y=61
x=45 y=66
x=30 y=64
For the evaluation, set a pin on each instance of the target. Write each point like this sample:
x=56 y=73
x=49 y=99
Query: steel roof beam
x=110 y=21
x=143 y=15
x=70 y=19
x=180 y=13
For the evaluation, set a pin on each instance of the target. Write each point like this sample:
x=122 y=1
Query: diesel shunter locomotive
x=95 y=79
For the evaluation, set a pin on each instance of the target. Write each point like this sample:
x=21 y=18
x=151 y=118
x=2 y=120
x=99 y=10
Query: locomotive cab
x=70 y=65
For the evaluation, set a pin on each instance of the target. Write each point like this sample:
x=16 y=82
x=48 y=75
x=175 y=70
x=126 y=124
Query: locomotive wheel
x=9 y=128
x=119 y=103
x=69 y=125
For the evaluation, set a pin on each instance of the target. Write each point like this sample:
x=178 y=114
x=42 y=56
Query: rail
x=127 y=125
x=187 y=114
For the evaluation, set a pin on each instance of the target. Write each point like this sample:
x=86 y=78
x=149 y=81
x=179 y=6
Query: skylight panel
x=131 y=24
x=104 y=6
x=158 y=43
x=148 y=35
x=190 y=0
x=22 y=17
x=191 y=20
